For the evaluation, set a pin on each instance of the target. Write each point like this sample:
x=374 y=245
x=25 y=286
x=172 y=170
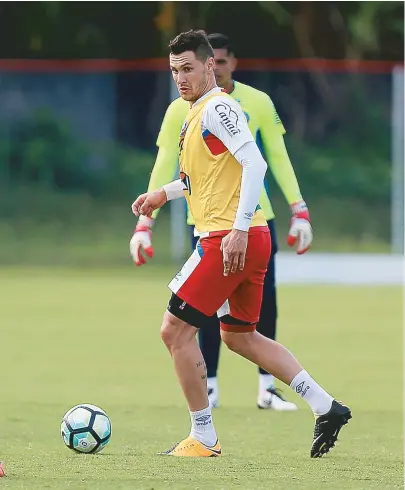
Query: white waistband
x=201 y=234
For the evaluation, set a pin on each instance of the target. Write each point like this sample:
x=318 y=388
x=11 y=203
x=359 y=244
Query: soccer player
x=267 y=129
x=221 y=177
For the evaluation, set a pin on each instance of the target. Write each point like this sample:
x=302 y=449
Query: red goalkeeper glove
x=141 y=240
x=300 y=231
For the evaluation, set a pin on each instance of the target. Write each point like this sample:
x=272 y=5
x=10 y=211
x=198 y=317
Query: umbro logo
x=301 y=389
x=203 y=418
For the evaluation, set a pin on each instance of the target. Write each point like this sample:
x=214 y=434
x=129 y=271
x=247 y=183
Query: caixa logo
x=229 y=118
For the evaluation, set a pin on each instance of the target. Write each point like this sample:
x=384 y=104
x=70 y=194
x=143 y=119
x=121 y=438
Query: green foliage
x=343 y=149
x=43 y=150
x=337 y=169
x=352 y=162
x=66 y=202
x=366 y=25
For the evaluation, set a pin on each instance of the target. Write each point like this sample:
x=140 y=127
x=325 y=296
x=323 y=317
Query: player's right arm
x=150 y=202
x=163 y=172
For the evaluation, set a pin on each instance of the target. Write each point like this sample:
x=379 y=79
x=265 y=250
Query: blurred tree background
x=126 y=30
x=339 y=124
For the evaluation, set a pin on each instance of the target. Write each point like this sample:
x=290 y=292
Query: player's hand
x=233 y=248
x=300 y=232
x=141 y=241
x=146 y=203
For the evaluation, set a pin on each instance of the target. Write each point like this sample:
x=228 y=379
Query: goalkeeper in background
x=268 y=131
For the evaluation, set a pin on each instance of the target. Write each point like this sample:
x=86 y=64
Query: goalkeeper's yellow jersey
x=266 y=128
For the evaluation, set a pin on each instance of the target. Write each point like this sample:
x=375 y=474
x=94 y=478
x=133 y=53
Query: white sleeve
x=224 y=118
x=253 y=172
x=174 y=190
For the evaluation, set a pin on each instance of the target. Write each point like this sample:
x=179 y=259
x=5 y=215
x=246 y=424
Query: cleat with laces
x=327 y=428
x=272 y=399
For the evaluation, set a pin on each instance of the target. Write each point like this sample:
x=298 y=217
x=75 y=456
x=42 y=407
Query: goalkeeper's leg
x=209 y=338
x=269 y=397
x=268 y=312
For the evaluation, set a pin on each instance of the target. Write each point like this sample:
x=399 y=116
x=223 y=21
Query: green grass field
x=93 y=336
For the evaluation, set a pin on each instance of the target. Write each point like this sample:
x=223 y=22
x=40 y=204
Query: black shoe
x=327 y=428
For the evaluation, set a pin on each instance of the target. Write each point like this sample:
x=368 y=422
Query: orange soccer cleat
x=192 y=448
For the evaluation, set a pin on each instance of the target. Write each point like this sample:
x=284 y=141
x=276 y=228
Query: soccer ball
x=86 y=429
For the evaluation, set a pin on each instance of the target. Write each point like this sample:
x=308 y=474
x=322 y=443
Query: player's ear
x=210 y=64
x=234 y=63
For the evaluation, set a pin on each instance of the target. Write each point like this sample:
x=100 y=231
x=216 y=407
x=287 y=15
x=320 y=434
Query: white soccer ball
x=86 y=429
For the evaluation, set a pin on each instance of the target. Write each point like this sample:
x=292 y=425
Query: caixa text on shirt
x=229 y=118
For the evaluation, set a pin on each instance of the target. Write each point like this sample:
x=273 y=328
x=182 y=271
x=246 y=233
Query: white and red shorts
x=202 y=285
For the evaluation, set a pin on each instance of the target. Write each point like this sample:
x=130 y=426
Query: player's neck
x=203 y=97
x=211 y=86
x=229 y=86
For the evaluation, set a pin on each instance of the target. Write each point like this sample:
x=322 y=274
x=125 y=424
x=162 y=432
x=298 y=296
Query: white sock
x=202 y=427
x=265 y=381
x=212 y=383
x=317 y=398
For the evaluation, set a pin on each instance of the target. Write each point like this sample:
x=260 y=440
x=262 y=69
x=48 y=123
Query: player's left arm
x=272 y=132
x=223 y=117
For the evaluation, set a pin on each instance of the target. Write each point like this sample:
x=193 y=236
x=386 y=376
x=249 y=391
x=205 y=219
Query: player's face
x=225 y=64
x=192 y=76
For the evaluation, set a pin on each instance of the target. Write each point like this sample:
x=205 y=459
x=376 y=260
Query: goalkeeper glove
x=300 y=231
x=141 y=240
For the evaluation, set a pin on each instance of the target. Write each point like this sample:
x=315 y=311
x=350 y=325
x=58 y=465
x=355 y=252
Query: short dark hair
x=220 y=41
x=193 y=40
